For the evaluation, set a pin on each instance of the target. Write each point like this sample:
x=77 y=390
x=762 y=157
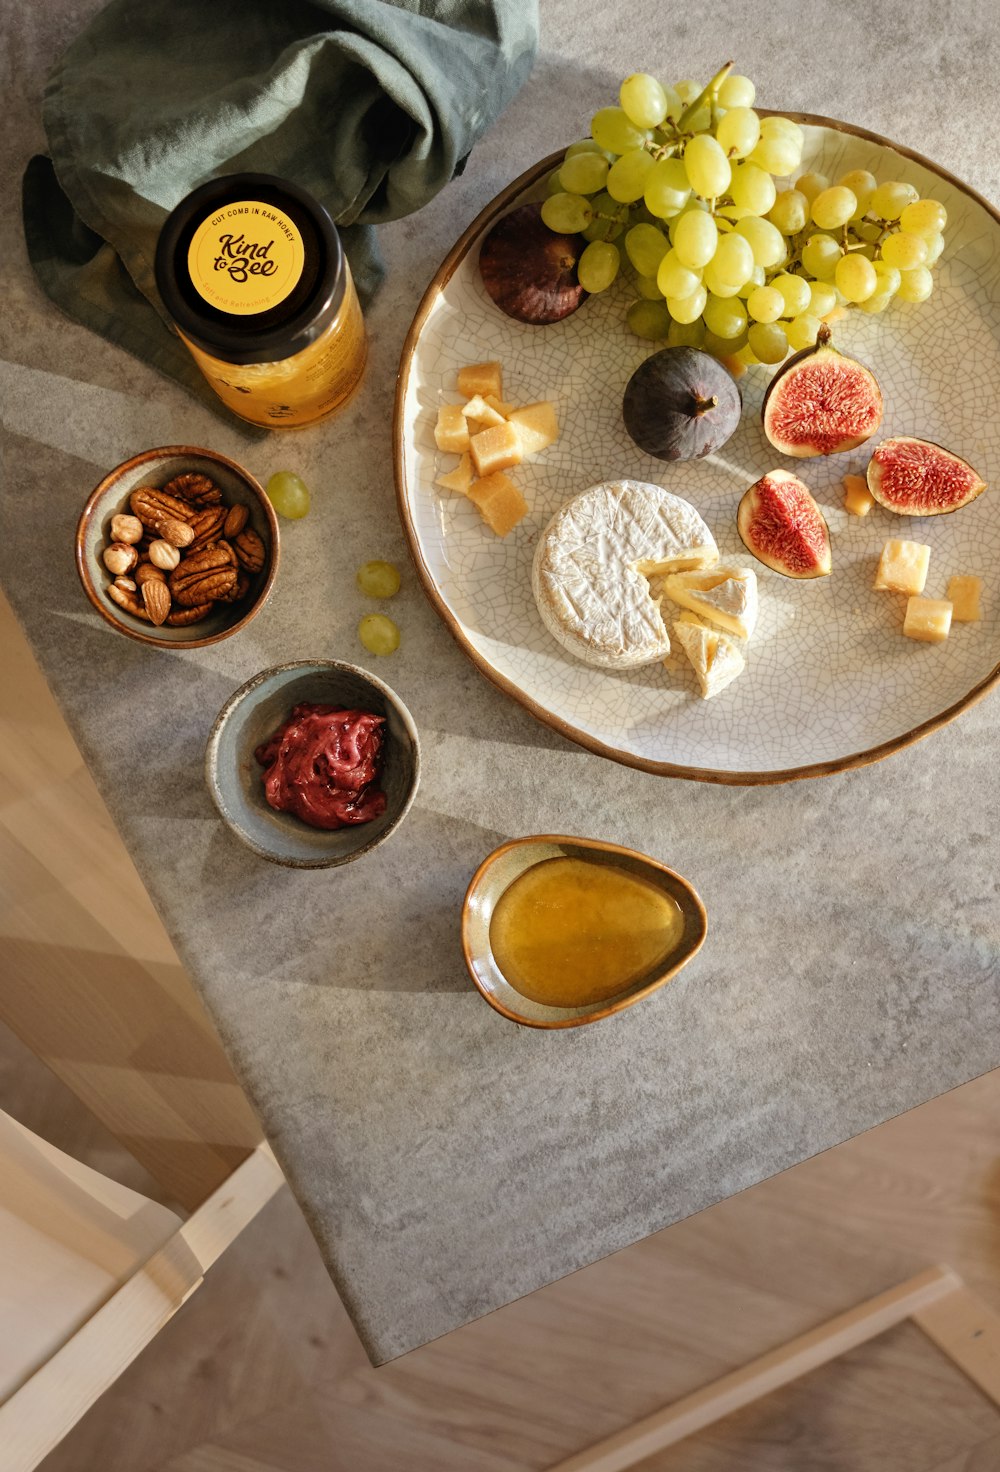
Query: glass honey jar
x=251 y=270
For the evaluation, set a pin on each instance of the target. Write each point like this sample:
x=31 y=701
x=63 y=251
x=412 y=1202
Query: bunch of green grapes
x=682 y=179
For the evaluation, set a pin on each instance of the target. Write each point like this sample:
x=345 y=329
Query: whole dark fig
x=530 y=270
x=681 y=404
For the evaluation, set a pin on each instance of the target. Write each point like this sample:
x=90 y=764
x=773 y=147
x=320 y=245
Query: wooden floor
x=261 y=1372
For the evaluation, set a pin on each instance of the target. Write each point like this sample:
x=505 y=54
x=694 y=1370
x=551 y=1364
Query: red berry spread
x=323 y=766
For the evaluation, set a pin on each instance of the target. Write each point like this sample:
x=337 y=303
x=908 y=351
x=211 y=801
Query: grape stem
x=707 y=94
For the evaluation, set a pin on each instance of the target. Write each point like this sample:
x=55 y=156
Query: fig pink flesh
x=921 y=477
x=787 y=527
x=828 y=402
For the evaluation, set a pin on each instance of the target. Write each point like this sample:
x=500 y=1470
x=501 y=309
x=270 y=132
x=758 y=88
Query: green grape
x=794 y=293
x=777 y=126
x=777 y=153
x=643 y=100
x=717 y=283
x=629 y=174
x=924 y=217
x=567 y=213
x=688 y=308
x=687 y=90
x=686 y=334
x=585 y=145
x=695 y=238
x=834 y=207
x=752 y=189
x=611 y=129
x=889 y=200
x=820 y=255
x=647 y=288
x=737 y=91
x=789 y=212
x=822 y=298
x=889 y=278
x=738 y=132
x=915 y=286
x=724 y=347
x=708 y=169
x=768 y=342
x=608 y=219
x=765 y=240
x=598 y=266
x=584 y=173
x=935 y=245
x=674 y=104
x=811 y=184
x=766 y=304
x=904 y=251
x=288 y=494
x=693 y=206
x=855 y=277
x=868 y=230
x=802 y=331
x=725 y=318
x=862 y=185
x=378 y=634
x=645 y=247
x=674 y=278
x=667 y=189
x=554 y=183
x=733 y=260
x=875 y=303
x=650 y=320
x=378 y=579
x=757 y=278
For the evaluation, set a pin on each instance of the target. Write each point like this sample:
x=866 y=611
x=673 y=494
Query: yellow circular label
x=246 y=257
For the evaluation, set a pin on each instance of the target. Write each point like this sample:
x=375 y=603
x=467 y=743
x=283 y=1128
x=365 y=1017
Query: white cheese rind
x=726 y=596
x=715 y=657
x=592 y=564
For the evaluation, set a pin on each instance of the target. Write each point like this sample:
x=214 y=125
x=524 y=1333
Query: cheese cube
x=536 y=425
x=500 y=502
x=481 y=378
x=902 y=567
x=927 y=619
x=495 y=449
x=451 y=432
x=858 y=499
x=459 y=479
x=478 y=410
x=498 y=404
x=963 y=593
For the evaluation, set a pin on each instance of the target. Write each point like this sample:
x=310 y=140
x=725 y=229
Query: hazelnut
x=127 y=529
x=126 y=583
x=162 y=554
x=120 y=558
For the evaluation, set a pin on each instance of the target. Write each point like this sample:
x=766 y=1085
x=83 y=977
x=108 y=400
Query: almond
x=237 y=519
x=156 y=599
x=177 y=533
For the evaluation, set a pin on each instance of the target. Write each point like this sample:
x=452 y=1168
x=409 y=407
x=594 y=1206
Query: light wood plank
x=969 y=1334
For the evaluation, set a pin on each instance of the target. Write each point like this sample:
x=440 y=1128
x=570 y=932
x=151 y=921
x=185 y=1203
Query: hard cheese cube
x=495 y=449
x=500 y=502
x=451 y=432
x=858 y=499
x=459 y=479
x=927 y=619
x=963 y=593
x=477 y=410
x=498 y=404
x=536 y=425
x=481 y=378
x=902 y=567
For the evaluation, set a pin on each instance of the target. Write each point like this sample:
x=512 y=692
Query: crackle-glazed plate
x=830 y=682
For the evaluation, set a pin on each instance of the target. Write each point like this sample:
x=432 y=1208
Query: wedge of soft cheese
x=723 y=595
x=593 y=563
x=716 y=660
x=903 y=567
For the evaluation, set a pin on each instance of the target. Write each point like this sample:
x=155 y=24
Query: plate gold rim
x=721 y=777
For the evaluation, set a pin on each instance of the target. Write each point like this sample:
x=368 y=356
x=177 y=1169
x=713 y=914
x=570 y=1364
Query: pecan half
x=204 y=575
x=156 y=600
x=207 y=526
x=250 y=550
x=153 y=507
x=196 y=489
x=182 y=616
x=128 y=601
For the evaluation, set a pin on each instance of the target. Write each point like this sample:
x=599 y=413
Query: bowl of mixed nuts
x=178 y=546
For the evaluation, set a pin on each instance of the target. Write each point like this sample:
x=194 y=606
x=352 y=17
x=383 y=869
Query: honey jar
x=251 y=269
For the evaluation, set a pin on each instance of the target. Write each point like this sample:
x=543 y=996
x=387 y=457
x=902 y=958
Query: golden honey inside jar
x=252 y=271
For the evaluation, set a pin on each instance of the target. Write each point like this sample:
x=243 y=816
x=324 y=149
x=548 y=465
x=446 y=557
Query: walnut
x=127 y=529
x=250 y=550
x=152 y=507
x=120 y=558
x=236 y=520
x=182 y=616
x=196 y=489
x=204 y=575
x=207 y=525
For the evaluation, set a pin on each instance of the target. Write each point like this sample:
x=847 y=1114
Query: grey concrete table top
x=447 y=1160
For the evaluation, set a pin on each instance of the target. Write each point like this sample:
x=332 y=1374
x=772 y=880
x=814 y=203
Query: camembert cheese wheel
x=593 y=564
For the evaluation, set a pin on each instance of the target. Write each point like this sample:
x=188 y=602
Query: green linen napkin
x=371 y=105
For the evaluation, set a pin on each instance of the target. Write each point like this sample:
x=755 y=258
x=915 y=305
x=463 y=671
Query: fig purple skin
x=530 y=270
x=681 y=404
x=821 y=402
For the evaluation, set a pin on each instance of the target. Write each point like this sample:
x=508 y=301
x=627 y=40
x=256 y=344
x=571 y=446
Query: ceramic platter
x=830 y=682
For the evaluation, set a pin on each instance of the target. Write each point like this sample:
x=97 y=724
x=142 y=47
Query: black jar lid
x=250 y=268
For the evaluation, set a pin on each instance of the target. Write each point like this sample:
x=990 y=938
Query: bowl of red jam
x=313 y=764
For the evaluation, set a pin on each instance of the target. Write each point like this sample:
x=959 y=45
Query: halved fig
x=681 y=404
x=918 y=478
x=783 y=527
x=530 y=270
x=821 y=402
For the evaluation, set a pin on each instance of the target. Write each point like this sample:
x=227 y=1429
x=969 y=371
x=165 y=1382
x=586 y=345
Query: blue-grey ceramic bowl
x=255 y=711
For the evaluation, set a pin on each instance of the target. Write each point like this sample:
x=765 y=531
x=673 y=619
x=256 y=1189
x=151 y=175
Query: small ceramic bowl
x=507 y=863
x=254 y=713
x=156 y=468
